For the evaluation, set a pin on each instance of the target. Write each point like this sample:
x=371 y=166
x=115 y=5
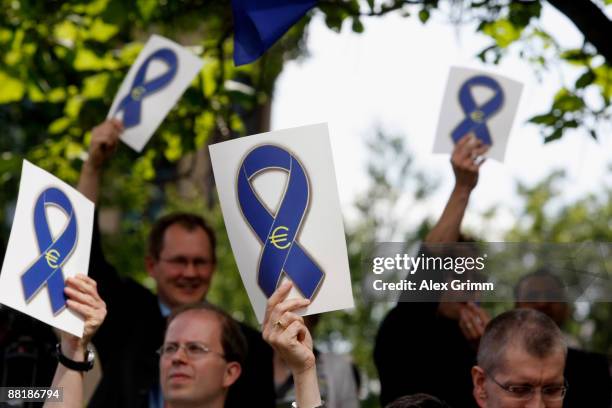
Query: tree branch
x=591 y=21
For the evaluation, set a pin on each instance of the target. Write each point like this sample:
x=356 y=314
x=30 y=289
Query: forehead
x=178 y=238
x=520 y=366
x=195 y=325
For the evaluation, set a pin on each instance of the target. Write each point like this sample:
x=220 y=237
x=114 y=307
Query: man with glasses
x=202 y=356
x=544 y=291
x=202 y=353
x=521 y=359
x=181 y=260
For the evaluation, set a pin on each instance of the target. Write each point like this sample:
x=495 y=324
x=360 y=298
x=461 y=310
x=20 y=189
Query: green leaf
x=576 y=56
x=95 y=86
x=204 y=126
x=424 y=15
x=146 y=8
x=334 y=22
x=546 y=119
x=73 y=106
x=502 y=31
x=210 y=70
x=568 y=102
x=603 y=78
x=585 y=79
x=101 y=31
x=174 y=148
x=86 y=60
x=357 y=26
x=65 y=32
x=12 y=88
x=59 y=125
x=557 y=134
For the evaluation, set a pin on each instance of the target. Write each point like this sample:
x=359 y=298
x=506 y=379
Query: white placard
x=321 y=231
x=498 y=124
x=23 y=247
x=155 y=105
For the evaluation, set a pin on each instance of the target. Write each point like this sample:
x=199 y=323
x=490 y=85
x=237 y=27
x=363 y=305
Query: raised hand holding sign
x=154 y=84
x=282 y=213
x=50 y=241
x=480 y=103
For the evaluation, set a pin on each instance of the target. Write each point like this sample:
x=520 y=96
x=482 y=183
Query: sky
x=393 y=77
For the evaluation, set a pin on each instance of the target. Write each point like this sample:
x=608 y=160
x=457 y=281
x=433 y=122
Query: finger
x=117 y=124
x=289 y=317
x=292 y=333
x=287 y=306
x=464 y=140
x=85 y=288
x=84 y=284
x=481 y=149
x=84 y=310
x=81 y=297
x=278 y=296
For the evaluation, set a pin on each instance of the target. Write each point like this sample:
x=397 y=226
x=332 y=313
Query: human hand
x=466 y=161
x=104 y=141
x=84 y=300
x=472 y=321
x=285 y=331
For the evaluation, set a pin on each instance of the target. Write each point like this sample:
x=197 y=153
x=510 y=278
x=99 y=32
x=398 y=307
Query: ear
x=478 y=379
x=150 y=265
x=232 y=373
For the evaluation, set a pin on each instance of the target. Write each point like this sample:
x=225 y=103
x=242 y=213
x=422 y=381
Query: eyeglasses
x=181 y=262
x=525 y=392
x=193 y=350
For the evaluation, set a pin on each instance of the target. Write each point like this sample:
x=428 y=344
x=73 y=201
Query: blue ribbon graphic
x=477 y=116
x=281 y=252
x=47 y=269
x=259 y=24
x=131 y=104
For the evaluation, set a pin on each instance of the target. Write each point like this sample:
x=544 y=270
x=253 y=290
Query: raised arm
x=286 y=333
x=466 y=161
x=83 y=299
x=104 y=141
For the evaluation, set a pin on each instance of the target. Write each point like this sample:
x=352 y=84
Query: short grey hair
x=531 y=330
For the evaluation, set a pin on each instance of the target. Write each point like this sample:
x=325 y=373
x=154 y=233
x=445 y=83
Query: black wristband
x=76 y=365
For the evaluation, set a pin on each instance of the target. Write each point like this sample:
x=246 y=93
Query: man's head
x=181 y=258
x=521 y=358
x=543 y=291
x=202 y=356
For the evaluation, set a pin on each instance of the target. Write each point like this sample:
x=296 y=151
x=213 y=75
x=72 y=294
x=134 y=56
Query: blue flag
x=258 y=24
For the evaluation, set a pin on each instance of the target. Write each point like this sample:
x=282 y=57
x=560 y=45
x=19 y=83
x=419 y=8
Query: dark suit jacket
x=588 y=377
x=418 y=351
x=134 y=330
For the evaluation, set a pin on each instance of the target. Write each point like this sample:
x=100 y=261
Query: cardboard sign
x=481 y=103
x=156 y=81
x=281 y=209
x=50 y=240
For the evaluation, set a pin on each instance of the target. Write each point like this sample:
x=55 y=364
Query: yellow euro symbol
x=477 y=116
x=138 y=92
x=278 y=237
x=52 y=256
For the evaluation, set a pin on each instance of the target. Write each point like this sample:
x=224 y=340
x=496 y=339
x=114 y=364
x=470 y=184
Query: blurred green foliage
x=61 y=65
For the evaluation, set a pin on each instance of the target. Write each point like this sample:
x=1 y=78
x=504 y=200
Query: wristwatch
x=76 y=365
